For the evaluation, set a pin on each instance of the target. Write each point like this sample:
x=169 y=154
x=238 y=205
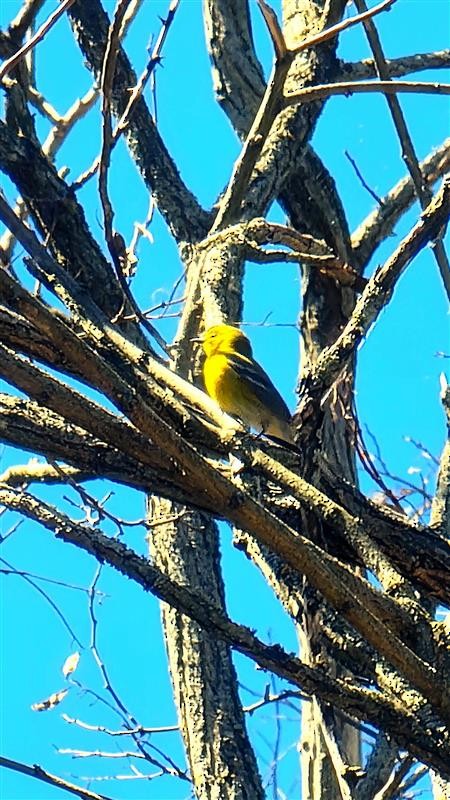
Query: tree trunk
x=325 y=309
x=221 y=760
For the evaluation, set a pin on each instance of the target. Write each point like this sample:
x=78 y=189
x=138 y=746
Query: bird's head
x=226 y=339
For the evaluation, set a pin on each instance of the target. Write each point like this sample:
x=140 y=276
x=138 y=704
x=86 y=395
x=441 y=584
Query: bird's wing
x=260 y=384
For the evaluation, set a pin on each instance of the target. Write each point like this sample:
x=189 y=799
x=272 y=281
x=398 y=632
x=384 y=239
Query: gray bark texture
x=367 y=655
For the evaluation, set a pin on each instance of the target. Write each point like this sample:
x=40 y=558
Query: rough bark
x=221 y=759
x=301 y=520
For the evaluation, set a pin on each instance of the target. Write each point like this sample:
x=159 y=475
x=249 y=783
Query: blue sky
x=397 y=392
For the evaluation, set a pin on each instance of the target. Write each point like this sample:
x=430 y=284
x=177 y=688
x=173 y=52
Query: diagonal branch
x=41 y=774
x=440 y=509
x=380 y=763
x=362 y=703
x=40 y=34
x=25 y=18
x=304 y=249
x=359 y=603
x=114 y=240
x=380 y=223
x=374 y=298
x=270 y=106
x=61 y=219
x=180 y=209
x=33 y=427
x=21 y=475
x=239 y=86
x=408 y=152
x=136 y=93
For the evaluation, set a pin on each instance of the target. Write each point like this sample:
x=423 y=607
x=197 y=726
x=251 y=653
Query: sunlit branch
x=423 y=192
x=41 y=774
x=396 y=67
x=40 y=34
x=380 y=223
x=377 y=293
x=322 y=91
x=362 y=702
x=271 y=104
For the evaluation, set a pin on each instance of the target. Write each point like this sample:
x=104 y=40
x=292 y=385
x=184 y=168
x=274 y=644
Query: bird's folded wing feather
x=261 y=385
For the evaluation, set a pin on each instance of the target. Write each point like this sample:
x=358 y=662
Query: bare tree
x=370 y=654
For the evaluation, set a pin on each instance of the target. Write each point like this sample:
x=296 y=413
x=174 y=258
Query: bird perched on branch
x=240 y=386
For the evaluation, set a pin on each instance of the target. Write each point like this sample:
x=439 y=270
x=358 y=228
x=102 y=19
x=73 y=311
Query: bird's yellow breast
x=221 y=382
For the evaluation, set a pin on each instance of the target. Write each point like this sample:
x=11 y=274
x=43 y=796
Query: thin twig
x=364 y=183
x=154 y=60
x=423 y=192
x=270 y=106
x=425 y=452
x=49 y=600
x=43 y=578
x=323 y=90
x=135 y=93
x=116 y=245
x=8 y=65
x=173 y=769
x=335 y=30
x=41 y=774
x=25 y=18
x=286 y=666
x=140 y=729
x=69 y=751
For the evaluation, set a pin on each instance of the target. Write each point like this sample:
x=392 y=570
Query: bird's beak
x=198 y=339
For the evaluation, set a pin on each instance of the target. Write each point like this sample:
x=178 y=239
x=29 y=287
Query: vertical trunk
x=185 y=545
x=325 y=309
x=321 y=318
x=221 y=760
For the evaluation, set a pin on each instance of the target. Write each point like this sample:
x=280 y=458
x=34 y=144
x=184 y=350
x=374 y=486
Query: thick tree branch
x=334 y=580
x=87 y=414
x=220 y=492
x=40 y=34
x=321 y=91
x=180 y=209
x=239 y=85
x=32 y=427
x=375 y=296
x=238 y=197
x=423 y=192
x=440 y=509
x=380 y=223
x=304 y=250
x=21 y=475
x=379 y=768
x=395 y=67
x=59 y=217
x=432 y=745
x=421 y=555
x=25 y=18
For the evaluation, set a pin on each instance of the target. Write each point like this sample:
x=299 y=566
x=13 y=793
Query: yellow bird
x=240 y=386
